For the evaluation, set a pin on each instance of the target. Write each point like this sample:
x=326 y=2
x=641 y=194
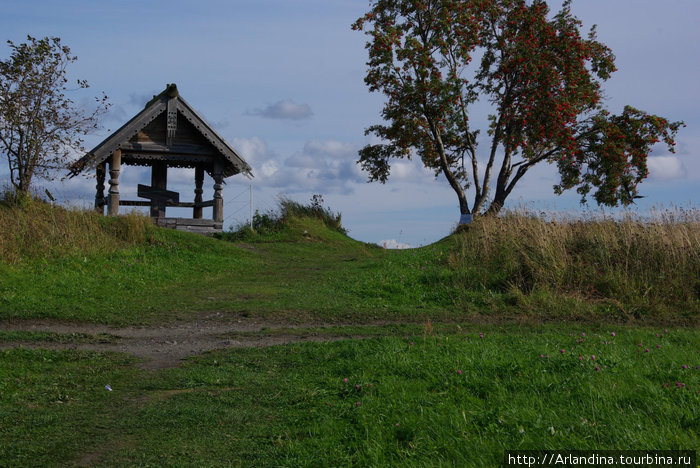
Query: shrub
x=270 y=224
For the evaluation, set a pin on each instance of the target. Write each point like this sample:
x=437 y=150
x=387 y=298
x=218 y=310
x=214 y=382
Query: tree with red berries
x=542 y=79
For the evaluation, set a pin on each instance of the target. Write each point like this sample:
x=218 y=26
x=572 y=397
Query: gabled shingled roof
x=167 y=101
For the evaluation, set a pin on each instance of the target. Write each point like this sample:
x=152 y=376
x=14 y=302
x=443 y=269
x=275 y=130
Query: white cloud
x=393 y=244
x=284 y=110
x=666 y=168
x=322 y=166
x=254 y=150
x=410 y=171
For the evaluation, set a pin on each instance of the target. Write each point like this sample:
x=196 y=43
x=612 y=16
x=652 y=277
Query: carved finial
x=172 y=90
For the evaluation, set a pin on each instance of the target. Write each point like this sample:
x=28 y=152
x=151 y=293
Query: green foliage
x=542 y=78
x=40 y=128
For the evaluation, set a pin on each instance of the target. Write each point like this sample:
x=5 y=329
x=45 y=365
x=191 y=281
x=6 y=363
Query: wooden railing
x=178 y=205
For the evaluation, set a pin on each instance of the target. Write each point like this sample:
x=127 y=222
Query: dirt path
x=166 y=346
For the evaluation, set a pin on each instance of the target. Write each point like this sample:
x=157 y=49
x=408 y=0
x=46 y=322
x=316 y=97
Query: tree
x=541 y=78
x=40 y=128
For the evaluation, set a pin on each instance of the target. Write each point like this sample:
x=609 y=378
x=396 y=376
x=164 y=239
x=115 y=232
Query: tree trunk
x=495 y=206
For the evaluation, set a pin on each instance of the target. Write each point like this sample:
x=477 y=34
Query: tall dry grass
x=643 y=264
x=33 y=229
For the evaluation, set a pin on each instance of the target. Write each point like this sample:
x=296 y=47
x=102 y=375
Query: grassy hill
x=516 y=333
x=76 y=265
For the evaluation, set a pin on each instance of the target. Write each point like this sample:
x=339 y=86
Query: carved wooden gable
x=168 y=129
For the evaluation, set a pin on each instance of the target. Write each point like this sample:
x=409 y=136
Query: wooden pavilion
x=166 y=133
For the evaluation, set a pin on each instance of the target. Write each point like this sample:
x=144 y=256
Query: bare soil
x=165 y=346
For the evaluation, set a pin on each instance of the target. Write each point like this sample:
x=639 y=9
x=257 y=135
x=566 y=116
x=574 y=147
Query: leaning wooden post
x=114 y=168
x=100 y=195
x=218 y=197
x=198 y=183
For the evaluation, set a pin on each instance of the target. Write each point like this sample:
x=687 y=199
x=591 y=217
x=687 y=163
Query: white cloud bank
x=321 y=166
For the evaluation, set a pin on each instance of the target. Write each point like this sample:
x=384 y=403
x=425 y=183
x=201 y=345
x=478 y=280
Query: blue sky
x=282 y=82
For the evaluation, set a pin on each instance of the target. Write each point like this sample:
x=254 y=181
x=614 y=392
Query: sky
x=283 y=82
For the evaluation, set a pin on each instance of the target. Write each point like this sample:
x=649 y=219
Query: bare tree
x=40 y=128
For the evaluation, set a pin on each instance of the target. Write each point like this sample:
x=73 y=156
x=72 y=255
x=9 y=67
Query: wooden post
x=198 y=183
x=159 y=180
x=114 y=168
x=218 y=197
x=100 y=195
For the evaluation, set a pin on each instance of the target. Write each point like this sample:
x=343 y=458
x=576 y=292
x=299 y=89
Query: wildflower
x=345 y=380
x=583 y=334
x=612 y=334
x=563 y=351
x=357 y=386
x=481 y=335
x=597 y=369
x=593 y=356
x=359 y=403
x=658 y=346
x=684 y=366
x=541 y=355
x=459 y=371
x=646 y=350
x=666 y=330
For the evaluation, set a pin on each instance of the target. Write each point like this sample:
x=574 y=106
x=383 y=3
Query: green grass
x=431 y=391
x=449 y=399
x=54 y=405
x=498 y=271
x=163 y=278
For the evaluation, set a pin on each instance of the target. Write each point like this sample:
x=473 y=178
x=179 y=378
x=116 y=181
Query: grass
x=447 y=399
x=518 y=268
x=54 y=404
x=134 y=284
x=631 y=267
x=52 y=337
x=34 y=230
x=425 y=389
